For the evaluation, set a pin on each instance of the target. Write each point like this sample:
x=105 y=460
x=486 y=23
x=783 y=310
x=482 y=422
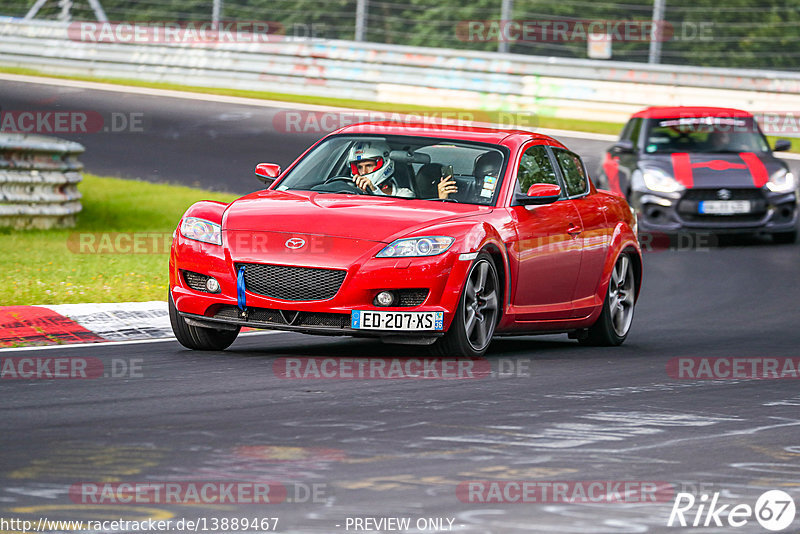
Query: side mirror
x=781 y=145
x=539 y=194
x=267 y=172
x=625 y=146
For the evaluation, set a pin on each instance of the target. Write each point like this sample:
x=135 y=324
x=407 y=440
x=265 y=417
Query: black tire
x=785 y=238
x=478 y=310
x=196 y=337
x=612 y=327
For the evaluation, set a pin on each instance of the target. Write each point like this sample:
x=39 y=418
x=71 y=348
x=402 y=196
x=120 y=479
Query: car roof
x=449 y=131
x=668 y=112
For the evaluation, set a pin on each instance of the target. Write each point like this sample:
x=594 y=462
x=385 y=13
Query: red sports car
x=413 y=233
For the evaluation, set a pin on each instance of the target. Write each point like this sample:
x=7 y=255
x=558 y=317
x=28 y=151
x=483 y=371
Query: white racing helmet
x=375 y=150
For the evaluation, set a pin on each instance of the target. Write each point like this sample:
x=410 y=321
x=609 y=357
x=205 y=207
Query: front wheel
x=196 y=337
x=476 y=317
x=614 y=323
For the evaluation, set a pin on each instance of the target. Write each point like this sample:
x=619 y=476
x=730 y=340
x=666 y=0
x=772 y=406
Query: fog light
x=212 y=285
x=384 y=298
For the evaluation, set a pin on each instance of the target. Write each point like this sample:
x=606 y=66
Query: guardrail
x=557 y=87
x=38 y=181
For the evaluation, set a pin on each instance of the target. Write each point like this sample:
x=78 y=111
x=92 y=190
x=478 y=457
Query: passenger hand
x=447 y=186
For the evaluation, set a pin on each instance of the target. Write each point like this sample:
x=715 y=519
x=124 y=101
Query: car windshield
x=413 y=168
x=705 y=134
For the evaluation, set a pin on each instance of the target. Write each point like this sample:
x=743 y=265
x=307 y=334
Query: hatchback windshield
x=402 y=167
x=705 y=134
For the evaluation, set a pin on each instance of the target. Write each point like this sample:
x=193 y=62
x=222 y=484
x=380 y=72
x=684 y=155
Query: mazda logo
x=295 y=243
x=724 y=194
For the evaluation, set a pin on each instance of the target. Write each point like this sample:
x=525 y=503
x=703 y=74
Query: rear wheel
x=476 y=317
x=196 y=337
x=614 y=323
x=785 y=238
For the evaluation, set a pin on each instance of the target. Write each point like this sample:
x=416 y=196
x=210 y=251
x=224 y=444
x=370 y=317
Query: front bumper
x=770 y=212
x=442 y=276
x=319 y=323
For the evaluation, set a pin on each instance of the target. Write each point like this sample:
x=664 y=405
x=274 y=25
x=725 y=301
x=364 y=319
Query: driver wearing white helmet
x=373 y=170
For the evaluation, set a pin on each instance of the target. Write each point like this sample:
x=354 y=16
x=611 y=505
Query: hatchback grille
x=732 y=194
x=292 y=283
x=689 y=203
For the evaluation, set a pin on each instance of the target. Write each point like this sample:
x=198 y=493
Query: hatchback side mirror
x=625 y=146
x=781 y=145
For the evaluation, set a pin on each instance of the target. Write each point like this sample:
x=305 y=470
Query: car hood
x=264 y=222
x=712 y=170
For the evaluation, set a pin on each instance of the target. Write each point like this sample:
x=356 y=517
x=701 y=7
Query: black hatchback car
x=702 y=169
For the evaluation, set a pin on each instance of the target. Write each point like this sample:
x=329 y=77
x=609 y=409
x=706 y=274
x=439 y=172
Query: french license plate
x=390 y=320
x=724 y=207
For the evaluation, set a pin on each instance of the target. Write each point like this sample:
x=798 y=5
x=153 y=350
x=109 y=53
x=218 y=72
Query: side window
x=634 y=134
x=572 y=169
x=535 y=168
x=626 y=132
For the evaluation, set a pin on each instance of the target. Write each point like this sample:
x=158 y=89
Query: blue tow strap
x=240 y=295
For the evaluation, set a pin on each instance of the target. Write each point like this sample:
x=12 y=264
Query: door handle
x=574 y=230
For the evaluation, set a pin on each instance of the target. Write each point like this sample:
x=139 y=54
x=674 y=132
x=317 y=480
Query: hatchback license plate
x=724 y=207
x=391 y=320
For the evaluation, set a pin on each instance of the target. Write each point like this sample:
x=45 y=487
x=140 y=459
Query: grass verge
x=47 y=266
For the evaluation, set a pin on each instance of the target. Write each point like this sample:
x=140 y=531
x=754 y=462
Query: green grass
x=44 y=266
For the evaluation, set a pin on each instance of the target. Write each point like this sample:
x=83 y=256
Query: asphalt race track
x=343 y=449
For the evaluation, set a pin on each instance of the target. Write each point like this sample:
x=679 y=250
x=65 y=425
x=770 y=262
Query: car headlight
x=201 y=230
x=658 y=180
x=782 y=182
x=416 y=246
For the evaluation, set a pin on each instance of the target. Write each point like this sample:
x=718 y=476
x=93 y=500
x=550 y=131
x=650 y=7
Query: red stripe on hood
x=756 y=168
x=682 y=168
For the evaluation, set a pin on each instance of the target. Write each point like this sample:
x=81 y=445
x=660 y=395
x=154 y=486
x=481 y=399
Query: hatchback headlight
x=416 y=246
x=201 y=230
x=782 y=182
x=658 y=180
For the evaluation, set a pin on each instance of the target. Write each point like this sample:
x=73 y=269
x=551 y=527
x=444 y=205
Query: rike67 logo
x=774 y=510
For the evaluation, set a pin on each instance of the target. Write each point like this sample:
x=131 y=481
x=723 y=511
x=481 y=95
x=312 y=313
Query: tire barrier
x=38 y=182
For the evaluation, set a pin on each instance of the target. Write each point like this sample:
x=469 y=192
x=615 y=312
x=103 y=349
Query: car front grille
x=712 y=194
x=292 y=283
x=270 y=317
x=689 y=203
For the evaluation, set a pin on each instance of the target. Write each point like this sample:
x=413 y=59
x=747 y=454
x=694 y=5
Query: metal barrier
x=557 y=87
x=38 y=181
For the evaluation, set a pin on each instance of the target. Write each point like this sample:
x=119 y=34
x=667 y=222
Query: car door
x=548 y=247
x=595 y=236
